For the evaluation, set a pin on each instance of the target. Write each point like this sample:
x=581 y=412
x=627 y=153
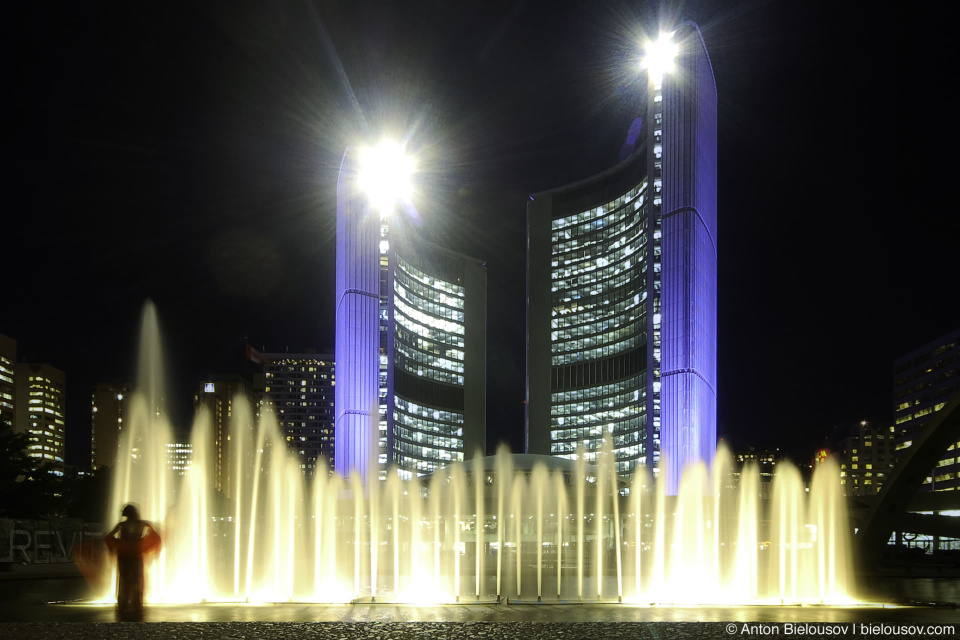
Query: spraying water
x=522 y=527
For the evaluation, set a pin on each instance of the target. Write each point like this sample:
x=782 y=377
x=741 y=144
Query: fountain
x=516 y=527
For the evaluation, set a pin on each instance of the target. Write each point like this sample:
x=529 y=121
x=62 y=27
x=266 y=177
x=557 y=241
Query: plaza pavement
x=52 y=607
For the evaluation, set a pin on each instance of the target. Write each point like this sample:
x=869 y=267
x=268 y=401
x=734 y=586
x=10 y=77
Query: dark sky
x=188 y=155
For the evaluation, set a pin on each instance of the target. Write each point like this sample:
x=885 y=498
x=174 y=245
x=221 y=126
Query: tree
x=27 y=489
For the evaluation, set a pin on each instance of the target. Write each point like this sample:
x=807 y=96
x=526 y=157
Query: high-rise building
x=300 y=388
x=924 y=381
x=866 y=456
x=216 y=396
x=41 y=407
x=109 y=404
x=411 y=341
x=622 y=288
x=8 y=358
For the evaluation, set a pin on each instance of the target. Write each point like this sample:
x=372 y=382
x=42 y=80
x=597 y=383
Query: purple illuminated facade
x=356 y=400
x=410 y=345
x=621 y=290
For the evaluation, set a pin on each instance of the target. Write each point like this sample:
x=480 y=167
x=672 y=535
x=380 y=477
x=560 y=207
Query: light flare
x=386 y=175
x=659 y=57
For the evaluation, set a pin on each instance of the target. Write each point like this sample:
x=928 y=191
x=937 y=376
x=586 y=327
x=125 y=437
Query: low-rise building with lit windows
x=410 y=344
x=622 y=288
x=40 y=413
x=924 y=381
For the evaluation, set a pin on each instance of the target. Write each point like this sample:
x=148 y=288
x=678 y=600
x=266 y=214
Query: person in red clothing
x=130 y=540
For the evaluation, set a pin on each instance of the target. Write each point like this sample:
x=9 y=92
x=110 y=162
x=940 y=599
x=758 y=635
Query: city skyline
x=191 y=159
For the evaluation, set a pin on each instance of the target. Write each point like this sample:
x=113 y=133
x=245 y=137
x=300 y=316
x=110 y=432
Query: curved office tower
x=436 y=374
x=621 y=290
x=411 y=343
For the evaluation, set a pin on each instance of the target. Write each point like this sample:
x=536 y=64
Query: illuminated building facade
x=41 y=407
x=179 y=457
x=621 y=290
x=109 y=403
x=8 y=357
x=410 y=345
x=866 y=456
x=300 y=388
x=924 y=381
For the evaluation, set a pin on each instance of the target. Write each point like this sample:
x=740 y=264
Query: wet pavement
x=53 y=609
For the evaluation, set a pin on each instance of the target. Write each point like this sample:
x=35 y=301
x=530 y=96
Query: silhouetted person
x=130 y=540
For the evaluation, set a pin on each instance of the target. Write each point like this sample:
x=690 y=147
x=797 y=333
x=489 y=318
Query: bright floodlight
x=659 y=56
x=385 y=174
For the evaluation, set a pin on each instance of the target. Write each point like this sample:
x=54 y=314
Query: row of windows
x=428 y=305
x=295 y=390
x=295 y=432
x=584 y=349
x=584 y=252
x=414 y=340
x=401 y=277
x=609 y=335
x=429 y=366
x=300 y=365
x=600 y=267
x=428 y=326
x=622 y=228
x=585 y=312
x=592 y=398
x=590 y=214
x=436 y=283
x=928 y=369
x=618 y=419
x=625 y=452
x=922 y=358
x=434 y=418
x=428 y=440
x=608 y=316
x=408 y=453
x=935 y=381
x=625 y=431
x=594 y=289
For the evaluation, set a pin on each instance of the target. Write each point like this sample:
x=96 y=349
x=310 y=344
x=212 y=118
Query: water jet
x=518 y=524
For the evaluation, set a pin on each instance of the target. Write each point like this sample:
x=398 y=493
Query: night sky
x=189 y=155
